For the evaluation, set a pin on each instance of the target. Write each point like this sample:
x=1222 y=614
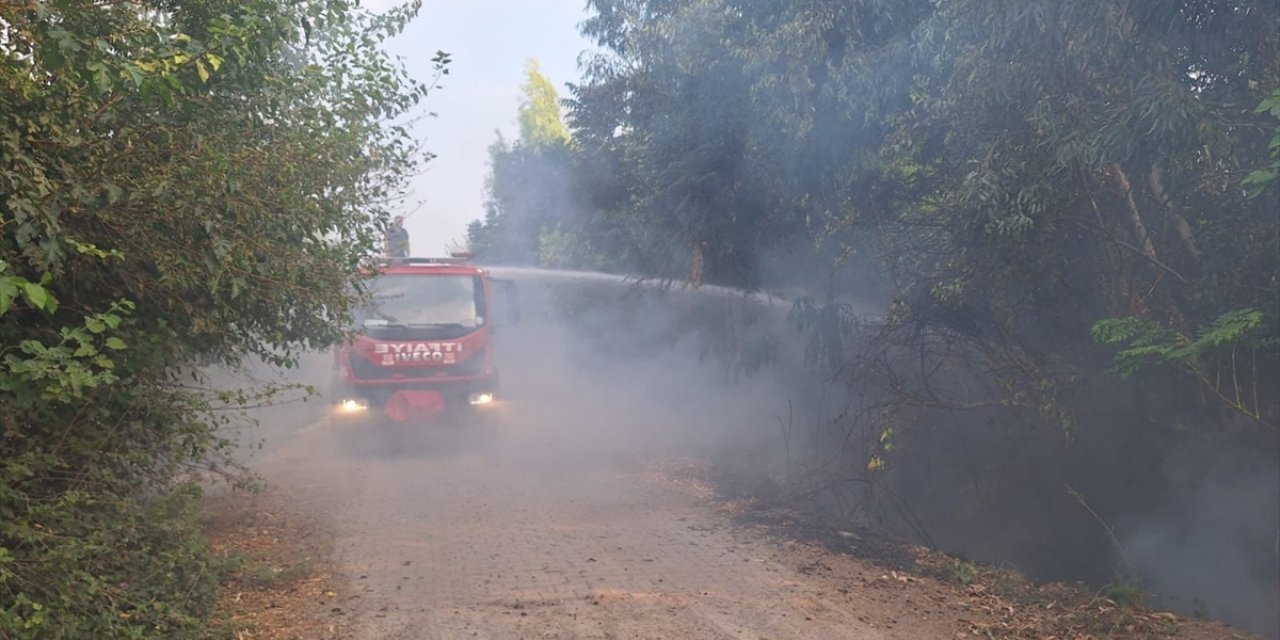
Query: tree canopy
x=1072 y=205
x=533 y=196
x=541 y=122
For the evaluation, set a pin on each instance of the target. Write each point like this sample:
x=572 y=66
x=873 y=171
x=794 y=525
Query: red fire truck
x=425 y=345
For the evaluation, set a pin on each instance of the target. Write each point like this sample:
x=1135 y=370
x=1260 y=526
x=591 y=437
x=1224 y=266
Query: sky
x=489 y=41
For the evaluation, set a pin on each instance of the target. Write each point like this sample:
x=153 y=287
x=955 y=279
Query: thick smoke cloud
x=641 y=371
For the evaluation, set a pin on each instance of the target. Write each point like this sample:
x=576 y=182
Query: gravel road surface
x=550 y=521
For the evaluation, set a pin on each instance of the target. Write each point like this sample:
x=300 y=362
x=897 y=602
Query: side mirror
x=506 y=299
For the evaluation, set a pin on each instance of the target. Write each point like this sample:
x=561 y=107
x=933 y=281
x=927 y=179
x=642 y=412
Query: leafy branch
x=1223 y=357
x=1258 y=181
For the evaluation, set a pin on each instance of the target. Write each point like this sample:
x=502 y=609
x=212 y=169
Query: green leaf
x=1257 y=181
x=115 y=343
x=101 y=77
x=1231 y=327
x=1270 y=104
x=8 y=291
x=135 y=73
x=36 y=295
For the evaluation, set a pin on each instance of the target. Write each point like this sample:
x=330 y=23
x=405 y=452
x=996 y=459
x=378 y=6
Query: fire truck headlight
x=480 y=398
x=352 y=405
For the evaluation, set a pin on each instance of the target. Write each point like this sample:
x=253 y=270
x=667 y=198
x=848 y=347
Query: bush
x=185 y=182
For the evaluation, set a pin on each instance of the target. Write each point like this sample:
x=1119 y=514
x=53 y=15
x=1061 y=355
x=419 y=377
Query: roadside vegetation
x=279 y=585
x=182 y=183
x=1069 y=208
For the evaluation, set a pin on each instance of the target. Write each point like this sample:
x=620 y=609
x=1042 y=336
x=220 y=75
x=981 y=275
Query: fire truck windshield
x=432 y=303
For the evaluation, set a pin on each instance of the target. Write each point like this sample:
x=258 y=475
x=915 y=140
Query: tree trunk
x=1179 y=221
x=1142 y=237
x=696 y=266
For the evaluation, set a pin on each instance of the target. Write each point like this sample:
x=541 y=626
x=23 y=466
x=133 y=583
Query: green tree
x=184 y=182
x=533 y=206
x=1063 y=161
x=1030 y=176
x=540 y=115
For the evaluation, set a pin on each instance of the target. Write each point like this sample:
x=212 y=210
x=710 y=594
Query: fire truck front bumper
x=413 y=403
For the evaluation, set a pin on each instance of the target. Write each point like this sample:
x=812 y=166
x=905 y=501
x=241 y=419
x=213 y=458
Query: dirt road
x=494 y=535
x=551 y=523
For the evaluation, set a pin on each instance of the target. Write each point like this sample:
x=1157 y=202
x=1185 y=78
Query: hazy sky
x=489 y=41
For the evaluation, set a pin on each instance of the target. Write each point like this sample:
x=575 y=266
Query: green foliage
x=530 y=193
x=181 y=182
x=534 y=197
x=541 y=123
x=1259 y=180
x=963 y=571
x=1150 y=343
x=1232 y=344
x=134 y=568
x=667 y=116
x=565 y=247
x=828 y=326
x=1016 y=170
x=34 y=294
x=1125 y=593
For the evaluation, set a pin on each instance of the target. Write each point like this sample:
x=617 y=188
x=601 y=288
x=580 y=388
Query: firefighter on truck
x=425 y=344
x=396 y=244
